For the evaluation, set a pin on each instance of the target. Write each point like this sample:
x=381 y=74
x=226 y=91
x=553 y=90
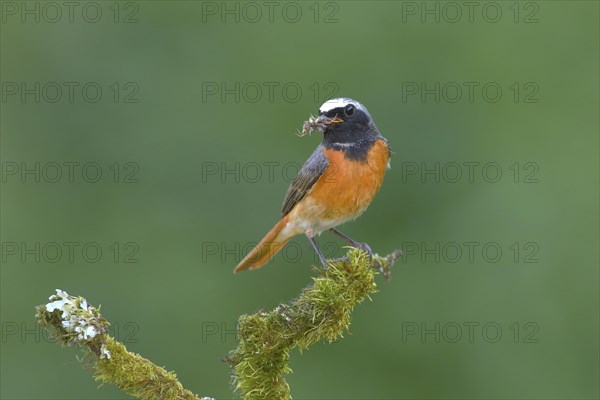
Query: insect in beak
x=319 y=123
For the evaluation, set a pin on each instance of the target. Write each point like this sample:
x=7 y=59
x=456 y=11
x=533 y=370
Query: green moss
x=321 y=312
x=138 y=376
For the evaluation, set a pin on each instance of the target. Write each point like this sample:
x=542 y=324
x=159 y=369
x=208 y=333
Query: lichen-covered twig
x=321 y=312
x=73 y=321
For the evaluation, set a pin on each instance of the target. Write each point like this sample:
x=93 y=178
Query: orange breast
x=348 y=186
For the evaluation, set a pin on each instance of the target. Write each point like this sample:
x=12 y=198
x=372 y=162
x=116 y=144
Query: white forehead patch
x=339 y=103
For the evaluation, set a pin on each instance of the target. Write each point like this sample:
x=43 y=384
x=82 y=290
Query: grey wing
x=310 y=172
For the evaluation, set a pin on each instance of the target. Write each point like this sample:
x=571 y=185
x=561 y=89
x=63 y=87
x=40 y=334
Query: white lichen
x=104 y=352
x=76 y=316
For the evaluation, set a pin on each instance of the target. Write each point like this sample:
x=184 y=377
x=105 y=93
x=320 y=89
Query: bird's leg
x=362 y=246
x=312 y=241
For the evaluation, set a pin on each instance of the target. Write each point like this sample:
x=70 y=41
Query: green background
x=168 y=304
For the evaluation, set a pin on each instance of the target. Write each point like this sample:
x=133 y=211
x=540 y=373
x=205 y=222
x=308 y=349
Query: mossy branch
x=321 y=312
x=73 y=322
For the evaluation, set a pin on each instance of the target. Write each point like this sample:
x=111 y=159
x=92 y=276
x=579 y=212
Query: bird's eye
x=349 y=110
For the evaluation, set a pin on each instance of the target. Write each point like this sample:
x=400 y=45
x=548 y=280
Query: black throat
x=355 y=144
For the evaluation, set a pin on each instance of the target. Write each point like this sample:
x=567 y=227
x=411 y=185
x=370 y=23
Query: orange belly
x=343 y=192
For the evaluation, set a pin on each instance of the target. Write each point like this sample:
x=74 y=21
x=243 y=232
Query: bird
x=335 y=185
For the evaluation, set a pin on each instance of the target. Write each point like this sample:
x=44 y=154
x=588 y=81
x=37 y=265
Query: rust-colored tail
x=266 y=249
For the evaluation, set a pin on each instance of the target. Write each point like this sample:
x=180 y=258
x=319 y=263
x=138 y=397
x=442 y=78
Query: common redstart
x=335 y=185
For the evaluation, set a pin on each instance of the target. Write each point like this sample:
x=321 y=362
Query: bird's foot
x=364 y=247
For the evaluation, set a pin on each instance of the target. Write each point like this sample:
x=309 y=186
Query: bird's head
x=341 y=120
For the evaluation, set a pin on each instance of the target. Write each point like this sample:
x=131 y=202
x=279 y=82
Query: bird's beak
x=330 y=121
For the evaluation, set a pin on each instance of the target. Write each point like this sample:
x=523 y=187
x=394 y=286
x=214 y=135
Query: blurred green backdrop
x=196 y=153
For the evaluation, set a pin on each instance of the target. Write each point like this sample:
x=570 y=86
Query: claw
x=339 y=259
